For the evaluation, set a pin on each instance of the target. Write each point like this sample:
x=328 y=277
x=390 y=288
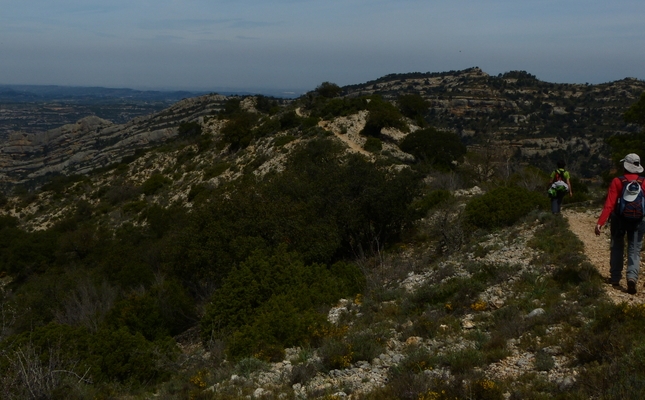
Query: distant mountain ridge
x=20 y=93
x=84 y=94
x=514 y=113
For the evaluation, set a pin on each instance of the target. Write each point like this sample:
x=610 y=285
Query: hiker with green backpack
x=559 y=186
x=625 y=208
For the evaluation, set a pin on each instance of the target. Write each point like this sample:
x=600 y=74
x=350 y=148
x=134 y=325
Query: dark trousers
x=634 y=233
x=556 y=202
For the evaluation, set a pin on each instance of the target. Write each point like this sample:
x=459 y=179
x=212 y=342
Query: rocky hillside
x=356 y=242
x=515 y=114
x=538 y=121
x=93 y=143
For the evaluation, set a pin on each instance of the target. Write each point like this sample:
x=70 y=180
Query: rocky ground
x=508 y=247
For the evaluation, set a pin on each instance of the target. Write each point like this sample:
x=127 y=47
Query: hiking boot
x=615 y=284
x=631 y=287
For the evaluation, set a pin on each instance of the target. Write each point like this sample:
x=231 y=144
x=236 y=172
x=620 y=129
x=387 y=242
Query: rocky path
x=582 y=223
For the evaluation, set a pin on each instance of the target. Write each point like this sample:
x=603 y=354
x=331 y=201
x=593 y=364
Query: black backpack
x=631 y=202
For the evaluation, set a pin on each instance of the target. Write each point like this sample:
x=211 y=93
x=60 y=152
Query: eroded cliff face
x=93 y=142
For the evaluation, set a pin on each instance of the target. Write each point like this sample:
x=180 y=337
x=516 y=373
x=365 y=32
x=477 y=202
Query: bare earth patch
x=582 y=223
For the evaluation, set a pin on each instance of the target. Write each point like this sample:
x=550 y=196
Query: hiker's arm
x=610 y=201
x=597 y=230
x=570 y=188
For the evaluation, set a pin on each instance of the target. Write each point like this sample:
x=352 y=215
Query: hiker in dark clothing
x=559 y=185
x=619 y=193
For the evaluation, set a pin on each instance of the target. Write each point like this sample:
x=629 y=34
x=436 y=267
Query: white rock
x=536 y=312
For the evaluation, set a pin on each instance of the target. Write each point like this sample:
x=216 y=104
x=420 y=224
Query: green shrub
x=134 y=207
x=246 y=366
x=266 y=127
x=107 y=355
x=283 y=140
x=373 y=145
x=328 y=90
x=439 y=149
x=189 y=129
x=231 y=107
x=503 y=206
x=139 y=314
x=459 y=293
x=462 y=361
x=290 y=120
x=485 y=389
x=431 y=200
x=129 y=358
x=341 y=107
x=154 y=183
x=620 y=378
x=407 y=385
x=413 y=106
x=303 y=373
x=382 y=114
x=544 y=361
x=417 y=359
x=118 y=194
x=580 y=191
x=238 y=130
x=270 y=301
x=216 y=170
x=196 y=190
x=366 y=345
x=59 y=183
x=266 y=105
x=325 y=206
x=335 y=354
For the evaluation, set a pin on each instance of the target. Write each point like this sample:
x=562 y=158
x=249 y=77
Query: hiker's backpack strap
x=640 y=180
x=619 y=199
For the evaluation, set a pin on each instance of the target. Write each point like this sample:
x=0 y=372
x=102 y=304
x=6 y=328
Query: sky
x=294 y=45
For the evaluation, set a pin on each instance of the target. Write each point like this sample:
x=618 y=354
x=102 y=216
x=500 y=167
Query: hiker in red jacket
x=622 y=224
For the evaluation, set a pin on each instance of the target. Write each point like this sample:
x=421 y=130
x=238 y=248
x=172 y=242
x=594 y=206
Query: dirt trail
x=582 y=223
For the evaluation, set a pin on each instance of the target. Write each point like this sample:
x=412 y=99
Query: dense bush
x=154 y=183
x=102 y=357
x=503 y=206
x=382 y=114
x=164 y=310
x=324 y=205
x=270 y=301
x=373 y=145
x=23 y=253
x=328 y=90
x=413 y=106
x=231 y=107
x=439 y=149
x=636 y=113
x=266 y=105
x=340 y=107
x=431 y=200
x=189 y=129
x=238 y=130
